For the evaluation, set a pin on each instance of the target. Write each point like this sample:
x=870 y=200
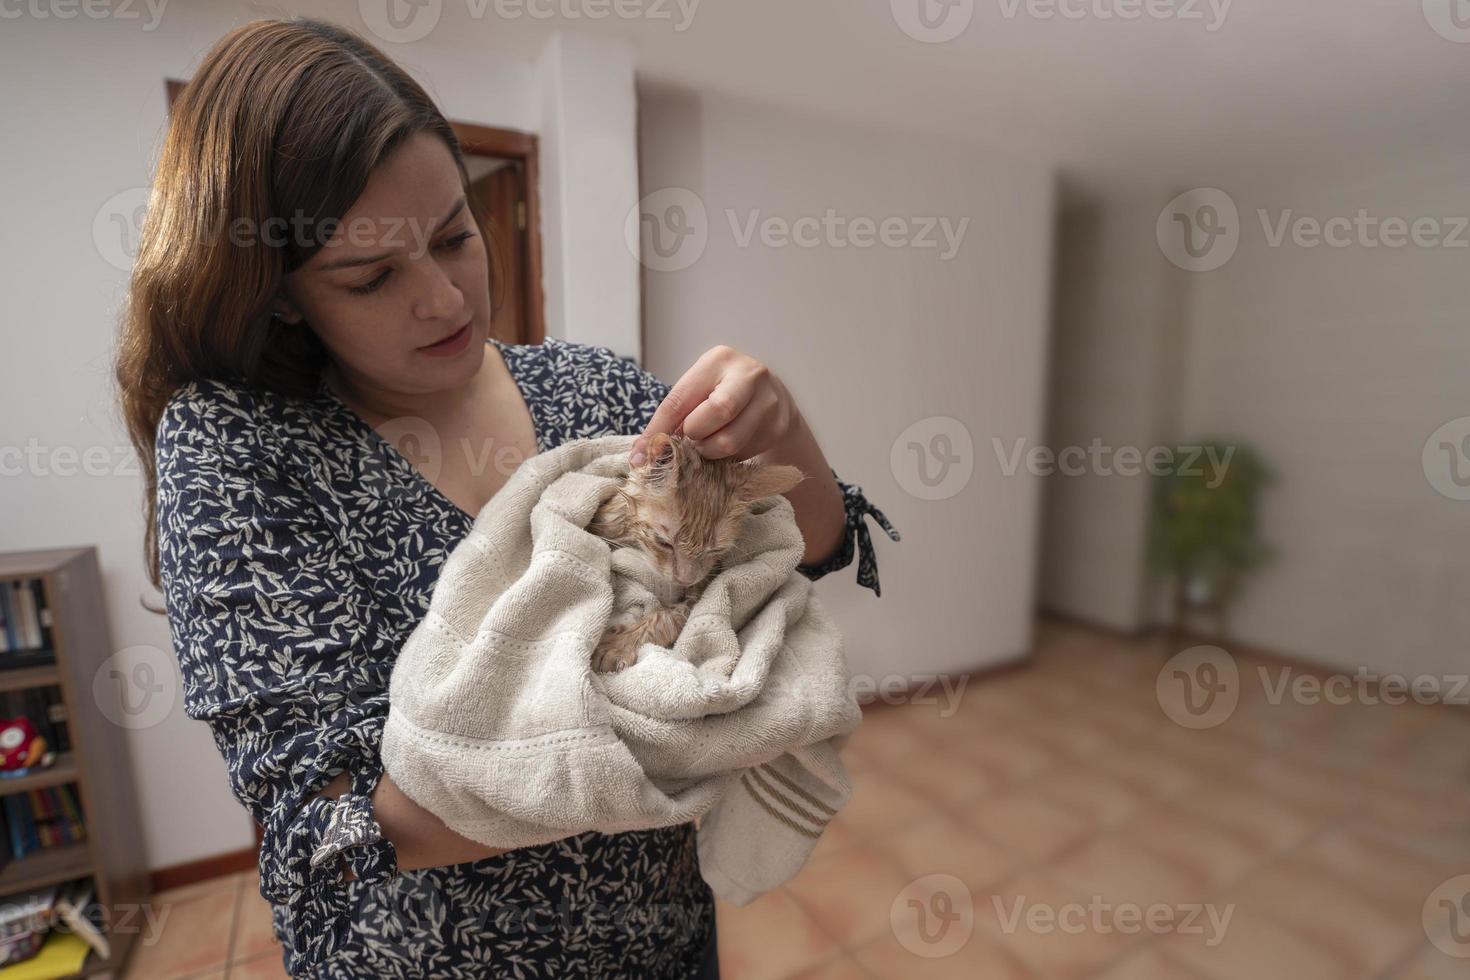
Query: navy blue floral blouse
x=298 y=551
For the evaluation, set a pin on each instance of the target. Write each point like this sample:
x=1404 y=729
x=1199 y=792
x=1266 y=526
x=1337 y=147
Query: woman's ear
x=285 y=311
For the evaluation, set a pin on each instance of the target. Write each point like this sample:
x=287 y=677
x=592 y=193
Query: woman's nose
x=439 y=297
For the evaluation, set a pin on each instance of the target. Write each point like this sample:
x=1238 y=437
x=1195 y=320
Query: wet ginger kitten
x=684 y=512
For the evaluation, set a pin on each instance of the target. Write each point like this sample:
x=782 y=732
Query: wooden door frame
x=512 y=144
x=509 y=144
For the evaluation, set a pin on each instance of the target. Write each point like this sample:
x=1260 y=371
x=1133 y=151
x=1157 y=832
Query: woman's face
x=400 y=294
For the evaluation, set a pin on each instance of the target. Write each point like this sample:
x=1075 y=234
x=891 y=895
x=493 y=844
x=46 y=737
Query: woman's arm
x=420 y=838
x=817 y=500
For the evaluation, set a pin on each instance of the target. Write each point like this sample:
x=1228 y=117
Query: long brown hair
x=284 y=120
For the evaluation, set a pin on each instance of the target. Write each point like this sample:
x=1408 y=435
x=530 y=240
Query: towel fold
x=499 y=726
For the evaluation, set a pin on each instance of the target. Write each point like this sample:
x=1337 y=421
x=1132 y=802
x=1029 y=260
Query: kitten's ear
x=660 y=465
x=766 y=480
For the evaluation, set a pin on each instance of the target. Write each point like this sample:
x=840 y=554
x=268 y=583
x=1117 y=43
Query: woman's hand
x=420 y=839
x=730 y=404
x=734 y=407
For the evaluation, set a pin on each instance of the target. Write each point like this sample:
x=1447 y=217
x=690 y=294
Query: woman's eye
x=369 y=287
x=457 y=242
x=452 y=245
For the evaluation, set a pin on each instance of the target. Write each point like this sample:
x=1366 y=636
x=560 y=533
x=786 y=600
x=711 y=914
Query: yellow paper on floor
x=61 y=955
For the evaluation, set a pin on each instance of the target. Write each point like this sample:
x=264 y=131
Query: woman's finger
x=735 y=439
x=720 y=407
x=686 y=395
x=682 y=398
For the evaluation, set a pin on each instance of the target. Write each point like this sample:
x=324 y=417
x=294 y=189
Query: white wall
x=589 y=183
x=1118 y=336
x=872 y=340
x=79 y=136
x=1339 y=363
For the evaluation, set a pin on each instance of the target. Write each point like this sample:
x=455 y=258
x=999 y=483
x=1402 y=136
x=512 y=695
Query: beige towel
x=498 y=725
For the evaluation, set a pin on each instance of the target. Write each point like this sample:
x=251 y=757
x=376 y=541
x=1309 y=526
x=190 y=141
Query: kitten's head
x=685 y=511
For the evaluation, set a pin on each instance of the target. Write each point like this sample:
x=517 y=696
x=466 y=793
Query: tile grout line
x=234 y=926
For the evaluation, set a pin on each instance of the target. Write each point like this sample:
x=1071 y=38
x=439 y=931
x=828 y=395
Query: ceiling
x=1198 y=92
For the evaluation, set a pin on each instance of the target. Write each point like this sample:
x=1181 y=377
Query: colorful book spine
x=74 y=813
x=15 y=826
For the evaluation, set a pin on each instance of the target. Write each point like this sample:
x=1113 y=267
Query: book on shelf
x=25 y=920
x=27 y=912
x=54 y=823
x=25 y=621
x=42 y=818
x=32 y=921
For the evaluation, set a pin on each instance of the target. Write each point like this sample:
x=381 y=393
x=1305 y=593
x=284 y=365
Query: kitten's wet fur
x=684 y=512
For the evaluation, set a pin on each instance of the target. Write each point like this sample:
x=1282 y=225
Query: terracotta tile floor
x=1056 y=824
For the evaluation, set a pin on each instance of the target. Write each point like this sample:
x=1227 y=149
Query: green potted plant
x=1204 y=532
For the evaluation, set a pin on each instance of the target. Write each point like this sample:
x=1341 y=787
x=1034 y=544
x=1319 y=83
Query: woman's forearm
x=817 y=500
x=420 y=839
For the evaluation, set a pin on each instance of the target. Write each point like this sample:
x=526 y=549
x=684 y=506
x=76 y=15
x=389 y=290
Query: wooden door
x=499 y=198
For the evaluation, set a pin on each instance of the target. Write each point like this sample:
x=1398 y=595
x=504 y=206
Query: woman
x=310 y=280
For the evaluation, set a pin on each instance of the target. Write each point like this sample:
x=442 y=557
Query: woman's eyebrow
x=352 y=261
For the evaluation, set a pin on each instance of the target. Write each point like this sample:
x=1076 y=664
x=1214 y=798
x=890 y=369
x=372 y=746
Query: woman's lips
x=452 y=344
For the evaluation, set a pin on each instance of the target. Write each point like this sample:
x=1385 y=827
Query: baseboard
x=217 y=866
x=1188 y=638
x=1044 y=613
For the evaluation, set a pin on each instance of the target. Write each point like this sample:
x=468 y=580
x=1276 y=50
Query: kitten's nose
x=687 y=577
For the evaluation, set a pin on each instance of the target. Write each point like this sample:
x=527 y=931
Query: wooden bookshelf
x=63 y=770
x=97 y=763
x=46 y=867
x=19 y=678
